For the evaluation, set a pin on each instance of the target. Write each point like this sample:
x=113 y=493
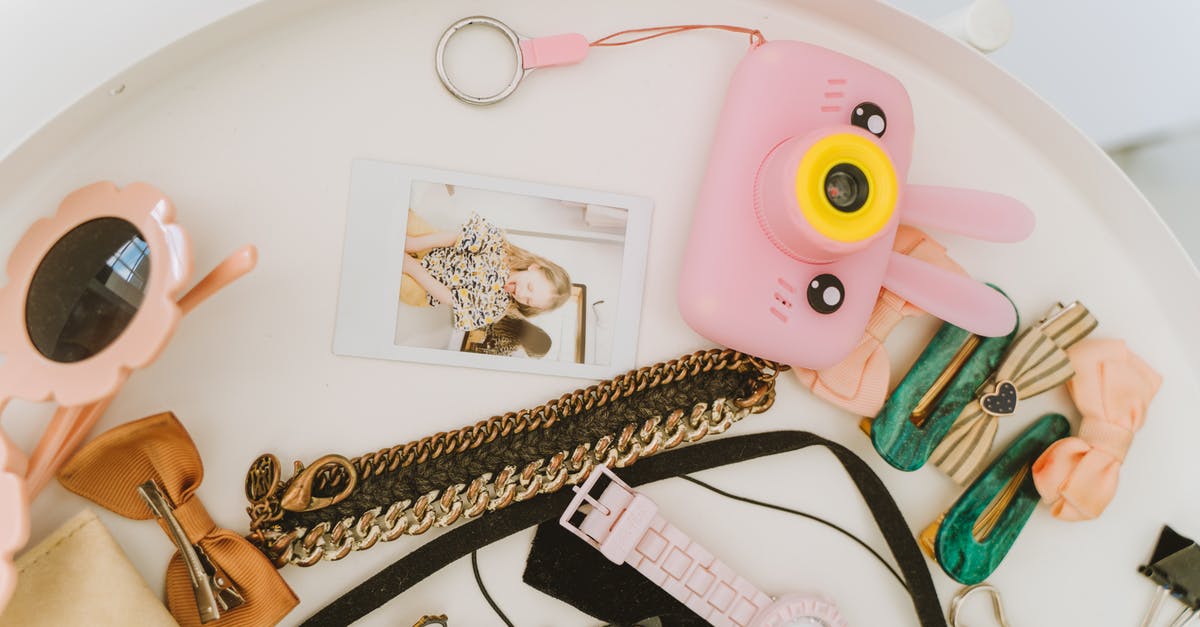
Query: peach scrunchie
x=1112 y=387
x=859 y=383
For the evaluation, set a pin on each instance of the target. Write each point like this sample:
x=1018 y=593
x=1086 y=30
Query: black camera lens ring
x=849 y=187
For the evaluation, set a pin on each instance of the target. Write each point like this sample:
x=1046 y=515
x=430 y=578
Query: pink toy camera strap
x=565 y=49
x=653 y=32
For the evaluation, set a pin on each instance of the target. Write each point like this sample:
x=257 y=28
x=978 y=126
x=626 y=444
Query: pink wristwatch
x=627 y=528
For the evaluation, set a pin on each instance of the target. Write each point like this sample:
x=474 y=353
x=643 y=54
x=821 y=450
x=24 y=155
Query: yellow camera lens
x=846 y=187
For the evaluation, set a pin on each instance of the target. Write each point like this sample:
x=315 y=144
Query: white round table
x=250 y=126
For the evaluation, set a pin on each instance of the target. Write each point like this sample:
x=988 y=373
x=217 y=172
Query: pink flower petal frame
x=26 y=373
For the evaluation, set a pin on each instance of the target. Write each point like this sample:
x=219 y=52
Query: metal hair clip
x=214 y=592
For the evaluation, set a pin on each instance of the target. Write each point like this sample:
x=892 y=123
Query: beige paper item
x=80 y=576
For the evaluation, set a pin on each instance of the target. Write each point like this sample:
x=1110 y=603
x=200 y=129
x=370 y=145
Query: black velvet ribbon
x=463 y=540
x=558 y=556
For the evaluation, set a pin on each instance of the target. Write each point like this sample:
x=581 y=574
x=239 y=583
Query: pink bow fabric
x=859 y=383
x=1112 y=387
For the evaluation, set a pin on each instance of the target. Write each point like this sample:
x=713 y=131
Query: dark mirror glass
x=87 y=289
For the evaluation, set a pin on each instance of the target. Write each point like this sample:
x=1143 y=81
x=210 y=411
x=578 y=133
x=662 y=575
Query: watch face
x=805 y=621
x=800 y=610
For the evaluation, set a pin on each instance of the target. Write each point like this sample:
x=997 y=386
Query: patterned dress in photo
x=475 y=270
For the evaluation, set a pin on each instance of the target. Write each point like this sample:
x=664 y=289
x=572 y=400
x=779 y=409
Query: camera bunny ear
x=975 y=214
x=957 y=299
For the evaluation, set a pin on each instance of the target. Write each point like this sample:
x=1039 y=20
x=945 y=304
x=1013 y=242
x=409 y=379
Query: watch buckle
x=618 y=518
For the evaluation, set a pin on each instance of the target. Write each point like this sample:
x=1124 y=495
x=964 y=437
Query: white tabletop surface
x=1094 y=61
x=250 y=127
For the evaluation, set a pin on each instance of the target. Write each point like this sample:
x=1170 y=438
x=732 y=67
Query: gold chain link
x=493 y=491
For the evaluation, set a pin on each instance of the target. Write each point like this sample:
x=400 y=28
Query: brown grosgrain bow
x=109 y=471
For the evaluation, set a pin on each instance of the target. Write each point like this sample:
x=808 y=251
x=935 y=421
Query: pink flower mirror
x=93 y=294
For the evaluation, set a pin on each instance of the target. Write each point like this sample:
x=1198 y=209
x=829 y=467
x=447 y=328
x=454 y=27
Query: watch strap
x=627 y=528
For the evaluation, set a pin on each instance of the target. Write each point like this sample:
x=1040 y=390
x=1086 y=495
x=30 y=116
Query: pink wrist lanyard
x=565 y=49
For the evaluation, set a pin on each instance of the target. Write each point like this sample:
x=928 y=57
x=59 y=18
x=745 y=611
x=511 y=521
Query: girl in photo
x=481 y=276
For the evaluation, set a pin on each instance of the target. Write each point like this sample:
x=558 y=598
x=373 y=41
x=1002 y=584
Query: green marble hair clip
x=932 y=395
x=971 y=539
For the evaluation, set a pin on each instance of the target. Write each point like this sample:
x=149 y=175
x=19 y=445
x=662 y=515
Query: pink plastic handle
x=957 y=299
x=63 y=436
x=235 y=266
x=14 y=512
x=554 y=50
x=975 y=214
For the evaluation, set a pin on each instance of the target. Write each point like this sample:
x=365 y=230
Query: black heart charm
x=1002 y=402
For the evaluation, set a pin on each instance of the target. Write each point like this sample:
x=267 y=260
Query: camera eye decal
x=868 y=115
x=826 y=294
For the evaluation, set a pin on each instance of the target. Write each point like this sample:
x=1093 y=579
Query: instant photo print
x=457 y=269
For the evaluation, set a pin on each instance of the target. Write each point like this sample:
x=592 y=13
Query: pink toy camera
x=805 y=188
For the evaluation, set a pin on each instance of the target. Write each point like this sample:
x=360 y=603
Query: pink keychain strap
x=571 y=48
x=565 y=49
x=554 y=50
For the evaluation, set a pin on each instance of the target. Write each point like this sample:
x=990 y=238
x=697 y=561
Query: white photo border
x=377 y=214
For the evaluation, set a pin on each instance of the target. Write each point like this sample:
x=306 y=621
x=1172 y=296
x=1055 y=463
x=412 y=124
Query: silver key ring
x=513 y=38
